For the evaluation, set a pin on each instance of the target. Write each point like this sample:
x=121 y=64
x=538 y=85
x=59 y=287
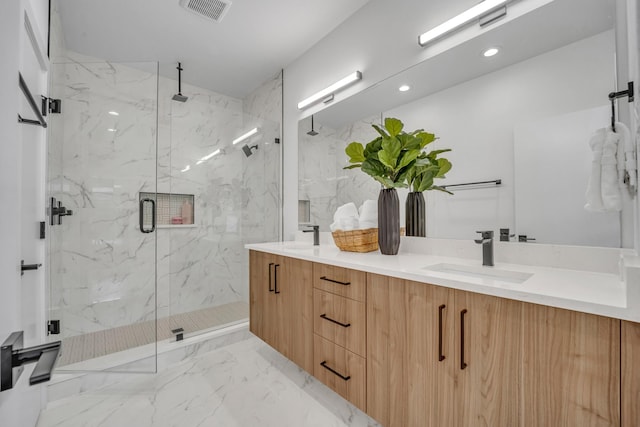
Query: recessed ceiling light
x=112 y=130
x=490 y=52
x=114 y=113
x=404 y=88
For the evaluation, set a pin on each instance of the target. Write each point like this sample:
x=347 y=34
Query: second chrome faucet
x=486 y=241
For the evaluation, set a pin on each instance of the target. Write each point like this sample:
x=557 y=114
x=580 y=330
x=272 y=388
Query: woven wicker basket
x=356 y=240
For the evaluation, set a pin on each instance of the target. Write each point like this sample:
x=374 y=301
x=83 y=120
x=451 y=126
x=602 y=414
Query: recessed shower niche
x=172 y=210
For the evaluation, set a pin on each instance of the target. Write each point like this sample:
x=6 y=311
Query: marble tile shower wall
x=322 y=179
x=106 y=276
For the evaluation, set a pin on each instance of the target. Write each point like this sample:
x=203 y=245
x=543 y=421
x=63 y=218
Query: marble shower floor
x=97 y=344
x=245 y=384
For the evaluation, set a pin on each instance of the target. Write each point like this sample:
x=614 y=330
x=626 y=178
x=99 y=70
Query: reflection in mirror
x=524 y=116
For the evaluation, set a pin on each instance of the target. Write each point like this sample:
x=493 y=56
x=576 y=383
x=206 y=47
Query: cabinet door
x=630 y=374
x=294 y=310
x=407 y=383
x=488 y=360
x=261 y=300
x=571 y=371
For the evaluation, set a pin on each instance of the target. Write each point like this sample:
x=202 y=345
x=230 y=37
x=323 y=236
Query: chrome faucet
x=487 y=247
x=316 y=234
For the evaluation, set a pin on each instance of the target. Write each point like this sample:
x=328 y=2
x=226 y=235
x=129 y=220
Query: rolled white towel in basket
x=346 y=218
x=368 y=214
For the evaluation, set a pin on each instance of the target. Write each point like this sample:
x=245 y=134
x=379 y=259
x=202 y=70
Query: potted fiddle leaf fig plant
x=421 y=178
x=390 y=159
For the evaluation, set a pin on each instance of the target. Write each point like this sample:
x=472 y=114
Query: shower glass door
x=102 y=161
x=220 y=169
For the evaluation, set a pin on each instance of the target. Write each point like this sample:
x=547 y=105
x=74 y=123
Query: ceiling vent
x=210 y=9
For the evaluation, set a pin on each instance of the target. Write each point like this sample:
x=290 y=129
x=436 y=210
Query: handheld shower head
x=247 y=149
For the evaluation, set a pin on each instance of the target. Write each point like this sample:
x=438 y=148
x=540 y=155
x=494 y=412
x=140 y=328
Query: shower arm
x=179 y=68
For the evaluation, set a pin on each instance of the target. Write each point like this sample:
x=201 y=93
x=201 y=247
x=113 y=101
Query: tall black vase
x=388 y=221
x=415 y=212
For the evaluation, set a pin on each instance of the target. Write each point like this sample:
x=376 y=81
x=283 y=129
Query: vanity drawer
x=340 y=281
x=340 y=320
x=341 y=370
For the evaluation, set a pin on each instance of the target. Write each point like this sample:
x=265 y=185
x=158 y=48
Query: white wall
x=20 y=406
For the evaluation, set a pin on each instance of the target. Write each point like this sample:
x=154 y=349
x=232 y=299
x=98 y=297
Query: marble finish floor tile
x=245 y=384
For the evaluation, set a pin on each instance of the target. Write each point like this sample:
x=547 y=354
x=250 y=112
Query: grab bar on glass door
x=153 y=215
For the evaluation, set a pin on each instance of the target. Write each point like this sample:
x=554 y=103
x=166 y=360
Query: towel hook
x=615 y=95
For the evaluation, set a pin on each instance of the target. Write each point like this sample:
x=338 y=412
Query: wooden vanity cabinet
x=339 y=326
x=571 y=368
x=281 y=305
x=630 y=374
x=440 y=357
x=423 y=355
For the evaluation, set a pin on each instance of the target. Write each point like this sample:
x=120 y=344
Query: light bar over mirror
x=459 y=20
x=324 y=93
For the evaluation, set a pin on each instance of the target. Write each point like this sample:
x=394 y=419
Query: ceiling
x=252 y=42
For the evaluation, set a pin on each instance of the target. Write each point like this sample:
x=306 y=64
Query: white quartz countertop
x=590 y=292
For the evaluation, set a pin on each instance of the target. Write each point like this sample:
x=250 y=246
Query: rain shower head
x=247 y=149
x=312 y=132
x=179 y=96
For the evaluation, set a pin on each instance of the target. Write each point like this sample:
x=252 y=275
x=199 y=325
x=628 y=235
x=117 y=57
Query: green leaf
x=426 y=183
x=386 y=182
x=410 y=142
x=433 y=154
x=445 y=166
x=390 y=152
x=373 y=147
x=380 y=131
x=355 y=151
x=373 y=167
x=357 y=165
x=394 y=126
x=408 y=157
x=437 y=187
x=425 y=138
x=387 y=159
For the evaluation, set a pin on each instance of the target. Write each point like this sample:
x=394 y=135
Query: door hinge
x=43 y=229
x=50 y=105
x=53 y=327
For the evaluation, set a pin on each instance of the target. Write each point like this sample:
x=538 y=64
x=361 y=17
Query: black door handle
x=344 y=325
x=334 y=281
x=275 y=278
x=153 y=215
x=440 y=310
x=26 y=267
x=462 y=362
x=270 y=265
x=325 y=366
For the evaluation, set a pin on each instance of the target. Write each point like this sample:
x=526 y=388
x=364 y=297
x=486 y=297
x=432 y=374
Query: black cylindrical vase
x=388 y=221
x=415 y=213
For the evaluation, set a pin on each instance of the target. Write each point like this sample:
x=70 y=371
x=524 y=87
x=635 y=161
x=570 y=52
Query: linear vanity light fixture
x=245 y=136
x=459 y=20
x=324 y=93
x=208 y=156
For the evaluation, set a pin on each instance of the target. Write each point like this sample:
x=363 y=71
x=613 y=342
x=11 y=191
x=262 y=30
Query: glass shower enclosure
x=163 y=196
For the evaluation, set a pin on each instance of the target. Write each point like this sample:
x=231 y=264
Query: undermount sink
x=481 y=272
